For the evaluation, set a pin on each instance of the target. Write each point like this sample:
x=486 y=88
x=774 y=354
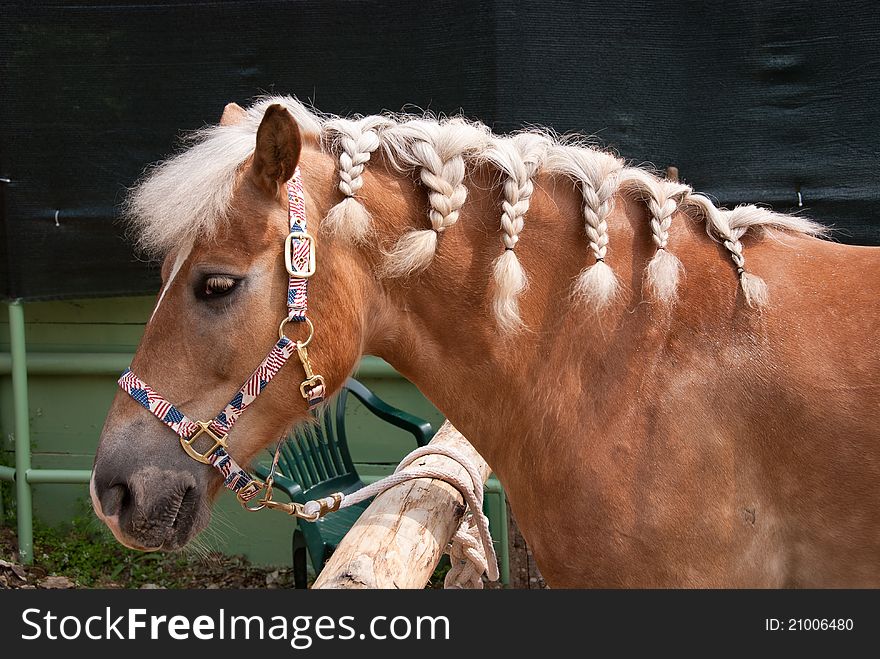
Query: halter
x=299 y=259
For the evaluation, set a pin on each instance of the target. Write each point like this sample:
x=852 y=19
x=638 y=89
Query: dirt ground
x=64 y=562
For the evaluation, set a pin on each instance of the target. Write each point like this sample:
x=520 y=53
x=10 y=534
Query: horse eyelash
x=221 y=282
x=216 y=286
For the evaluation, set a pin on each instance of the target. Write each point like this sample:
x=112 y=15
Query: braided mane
x=165 y=213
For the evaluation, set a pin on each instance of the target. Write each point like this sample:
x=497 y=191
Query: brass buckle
x=288 y=255
x=249 y=491
x=204 y=429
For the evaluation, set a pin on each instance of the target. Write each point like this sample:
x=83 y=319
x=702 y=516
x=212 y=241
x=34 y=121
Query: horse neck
x=438 y=329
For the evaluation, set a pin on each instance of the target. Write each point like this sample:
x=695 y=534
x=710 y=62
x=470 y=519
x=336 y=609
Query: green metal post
x=23 y=506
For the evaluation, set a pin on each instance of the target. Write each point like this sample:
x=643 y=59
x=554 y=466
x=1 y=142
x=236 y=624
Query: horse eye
x=215 y=286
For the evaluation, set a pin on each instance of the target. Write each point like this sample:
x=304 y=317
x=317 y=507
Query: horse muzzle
x=152 y=504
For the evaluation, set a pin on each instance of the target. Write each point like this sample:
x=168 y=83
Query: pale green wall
x=67 y=413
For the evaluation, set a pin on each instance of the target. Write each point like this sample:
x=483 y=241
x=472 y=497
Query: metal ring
x=247 y=507
x=304 y=343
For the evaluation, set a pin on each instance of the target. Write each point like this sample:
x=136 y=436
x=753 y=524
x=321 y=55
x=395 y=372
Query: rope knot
x=470 y=549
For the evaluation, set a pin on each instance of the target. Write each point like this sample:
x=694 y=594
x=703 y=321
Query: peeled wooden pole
x=400 y=537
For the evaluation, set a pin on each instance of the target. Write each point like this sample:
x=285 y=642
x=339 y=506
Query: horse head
x=222 y=229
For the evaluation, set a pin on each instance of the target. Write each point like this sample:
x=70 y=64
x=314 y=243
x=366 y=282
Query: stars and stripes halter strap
x=299 y=259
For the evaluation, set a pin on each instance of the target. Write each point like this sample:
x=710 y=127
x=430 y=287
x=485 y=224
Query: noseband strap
x=299 y=258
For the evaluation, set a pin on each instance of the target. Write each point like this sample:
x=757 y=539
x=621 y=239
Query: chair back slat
x=321 y=437
x=332 y=441
x=313 y=441
x=287 y=462
x=341 y=439
x=306 y=477
x=305 y=456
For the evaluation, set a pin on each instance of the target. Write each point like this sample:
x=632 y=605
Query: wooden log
x=400 y=537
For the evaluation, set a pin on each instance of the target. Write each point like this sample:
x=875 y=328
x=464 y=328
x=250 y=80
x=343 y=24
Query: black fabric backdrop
x=752 y=101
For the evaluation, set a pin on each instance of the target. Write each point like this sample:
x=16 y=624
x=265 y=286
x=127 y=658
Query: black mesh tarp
x=752 y=101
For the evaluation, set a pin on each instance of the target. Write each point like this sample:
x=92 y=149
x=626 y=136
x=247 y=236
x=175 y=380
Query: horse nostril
x=114 y=499
x=186 y=508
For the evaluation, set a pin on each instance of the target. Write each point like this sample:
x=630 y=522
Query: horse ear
x=233 y=114
x=278 y=147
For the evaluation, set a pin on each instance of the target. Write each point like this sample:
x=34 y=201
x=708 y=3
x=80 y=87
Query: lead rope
x=470 y=549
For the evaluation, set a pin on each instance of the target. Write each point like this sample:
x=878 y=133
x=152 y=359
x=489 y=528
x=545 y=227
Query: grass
x=86 y=553
x=91 y=559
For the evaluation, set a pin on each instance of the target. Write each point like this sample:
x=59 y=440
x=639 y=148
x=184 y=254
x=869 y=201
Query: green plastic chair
x=315 y=462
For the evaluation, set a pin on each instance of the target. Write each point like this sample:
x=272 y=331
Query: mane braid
x=596 y=173
x=519 y=159
x=355 y=140
x=164 y=211
x=437 y=151
x=662 y=198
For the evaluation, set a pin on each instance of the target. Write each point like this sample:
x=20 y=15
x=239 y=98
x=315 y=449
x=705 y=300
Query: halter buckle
x=249 y=491
x=292 y=270
x=204 y=429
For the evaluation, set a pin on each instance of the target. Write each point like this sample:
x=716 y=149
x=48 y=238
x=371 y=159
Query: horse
x=661 y=411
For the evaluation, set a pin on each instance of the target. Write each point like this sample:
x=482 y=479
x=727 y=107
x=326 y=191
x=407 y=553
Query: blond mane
x=187 y=196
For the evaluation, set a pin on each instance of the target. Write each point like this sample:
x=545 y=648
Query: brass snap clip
x=312 y=380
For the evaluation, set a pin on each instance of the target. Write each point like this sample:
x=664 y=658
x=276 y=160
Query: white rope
x=470 y=549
